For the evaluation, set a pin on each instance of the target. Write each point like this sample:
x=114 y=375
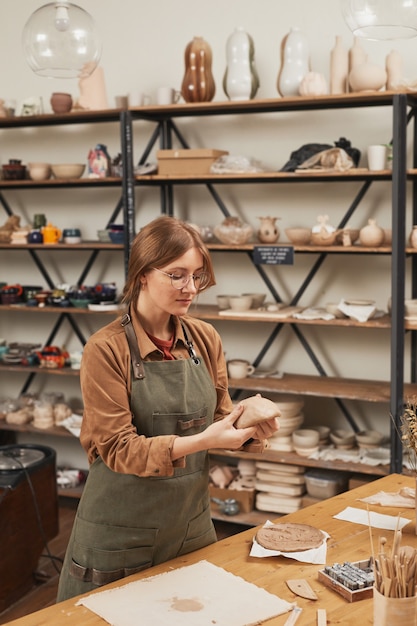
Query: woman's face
x=159 y=292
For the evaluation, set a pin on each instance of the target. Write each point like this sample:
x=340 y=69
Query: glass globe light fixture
x=60 y=41
x=381 y=19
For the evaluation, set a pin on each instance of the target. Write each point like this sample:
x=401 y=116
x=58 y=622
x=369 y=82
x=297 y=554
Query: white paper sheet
x=377 y=520
x=196 y=595
x=315 y=555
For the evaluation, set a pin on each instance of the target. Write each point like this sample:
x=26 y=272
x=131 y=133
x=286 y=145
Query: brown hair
x=159 y=243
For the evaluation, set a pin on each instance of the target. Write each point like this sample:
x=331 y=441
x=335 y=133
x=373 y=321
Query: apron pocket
x=200 y=533
x=109 y=549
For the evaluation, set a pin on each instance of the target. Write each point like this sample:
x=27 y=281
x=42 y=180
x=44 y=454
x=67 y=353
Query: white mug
x=167 y=95
x=377 y=158
x=138 y=99
x=239 y=368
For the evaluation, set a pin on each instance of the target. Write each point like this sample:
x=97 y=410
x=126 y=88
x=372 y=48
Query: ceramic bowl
x=257 y=299
x=233 y=235
x=369 y=438
x=287 y=427
x=299 y=236
x=117 y=236
x=68 y=170
x=103 y=235
x=289 y=405
x=324 y=239
x=39 y=171
x=343 y=438
x=80 y=303
x=305 y=438
x=240 y=303
x=324 y=432
x=333 y=308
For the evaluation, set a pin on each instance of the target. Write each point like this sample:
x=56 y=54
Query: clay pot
x=268 y=231
x=372 y=235
x=61 y=102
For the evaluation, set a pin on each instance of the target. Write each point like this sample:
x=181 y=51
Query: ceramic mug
x=239 y=368
x=39 y=221
x=51 y=234
x=167 y=95
x=377 y=158
x=35 y=236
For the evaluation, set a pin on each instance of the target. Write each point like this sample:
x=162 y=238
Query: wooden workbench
x=348 y=542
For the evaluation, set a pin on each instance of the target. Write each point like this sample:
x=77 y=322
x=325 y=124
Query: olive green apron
x=126 y=523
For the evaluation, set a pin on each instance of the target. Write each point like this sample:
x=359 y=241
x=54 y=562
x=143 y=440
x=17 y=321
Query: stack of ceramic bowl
x=280 y=487
x=306 y=441
x=369 y=439
x=291 y=418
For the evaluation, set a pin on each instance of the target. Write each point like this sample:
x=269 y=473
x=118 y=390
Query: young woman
x=155 y=395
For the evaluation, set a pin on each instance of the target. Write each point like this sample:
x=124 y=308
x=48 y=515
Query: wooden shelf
x=59 y=431
x=25 y=369
x=84 y=245
x=253 y=518
x=323 y=386
x=73 y=310
x=292 y=458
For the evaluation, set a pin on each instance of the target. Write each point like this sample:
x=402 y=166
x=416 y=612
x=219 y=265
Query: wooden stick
x=321 y=617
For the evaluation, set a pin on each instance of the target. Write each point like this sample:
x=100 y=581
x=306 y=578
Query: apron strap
x=137 y=364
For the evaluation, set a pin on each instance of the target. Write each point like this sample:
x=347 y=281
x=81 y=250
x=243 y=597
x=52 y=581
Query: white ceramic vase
x=240 y=80
x=295 y=62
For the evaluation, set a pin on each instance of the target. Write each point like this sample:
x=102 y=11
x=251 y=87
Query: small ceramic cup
x=377 y=158
x=239 y=368
x=71 y=235
x=222 y=302
x=167 y=95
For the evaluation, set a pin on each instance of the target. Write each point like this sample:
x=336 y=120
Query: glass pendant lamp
x=60 y=41
x=381 y=19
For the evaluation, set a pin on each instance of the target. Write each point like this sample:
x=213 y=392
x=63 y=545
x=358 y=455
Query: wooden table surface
x=348 y=542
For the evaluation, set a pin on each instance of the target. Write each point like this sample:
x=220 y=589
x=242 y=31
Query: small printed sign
x=273 y=255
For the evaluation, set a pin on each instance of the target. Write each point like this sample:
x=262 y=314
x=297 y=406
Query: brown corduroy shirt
x=107 y=430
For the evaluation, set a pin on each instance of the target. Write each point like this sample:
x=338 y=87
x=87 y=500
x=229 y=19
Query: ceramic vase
x=93 y=95
x=198 y=83
x=241 y=81
x=367 y=77
x=268 y=231
x=339 y=67
x=413 y=238
x=394 y=66
x=371 y=235
x=357 y=55
x=295 y=61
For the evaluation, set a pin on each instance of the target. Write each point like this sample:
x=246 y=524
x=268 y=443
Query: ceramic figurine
x=198 y=83
x=295 y=62
x=241 y=81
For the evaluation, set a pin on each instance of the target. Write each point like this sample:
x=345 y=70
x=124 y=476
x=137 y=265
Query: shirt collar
x=146 y=346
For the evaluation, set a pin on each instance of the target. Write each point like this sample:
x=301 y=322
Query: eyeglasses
x=181 y=280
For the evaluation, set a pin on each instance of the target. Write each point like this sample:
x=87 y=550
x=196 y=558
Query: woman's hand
x=223 y=434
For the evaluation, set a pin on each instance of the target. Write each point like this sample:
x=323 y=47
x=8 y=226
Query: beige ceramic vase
x=371 y=235
x=268 y=230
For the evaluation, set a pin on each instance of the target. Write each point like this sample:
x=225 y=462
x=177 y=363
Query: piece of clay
x=257 y=409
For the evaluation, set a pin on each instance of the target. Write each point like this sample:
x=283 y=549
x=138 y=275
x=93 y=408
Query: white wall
x=144 y=45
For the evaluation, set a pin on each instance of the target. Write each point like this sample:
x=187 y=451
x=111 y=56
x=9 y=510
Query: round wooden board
x=287 y=537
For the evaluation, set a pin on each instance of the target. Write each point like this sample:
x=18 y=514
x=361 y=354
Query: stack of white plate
x=280 y=487
x=292 y=416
